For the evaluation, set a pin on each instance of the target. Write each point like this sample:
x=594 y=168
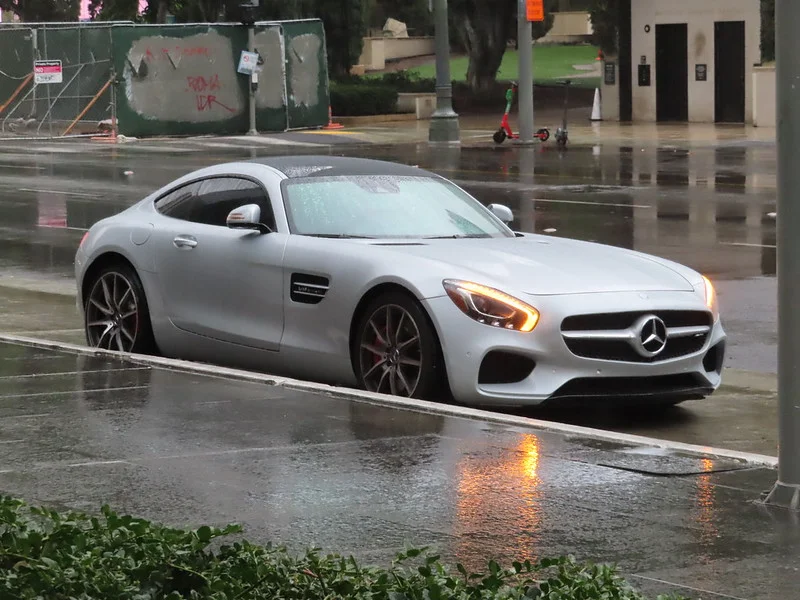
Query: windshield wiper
x=340 y=235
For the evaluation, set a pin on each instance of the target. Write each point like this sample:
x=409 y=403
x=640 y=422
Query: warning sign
x=248 y=63
x=47 y=71
x=535 y=10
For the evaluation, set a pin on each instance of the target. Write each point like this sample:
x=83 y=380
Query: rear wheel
x=396 y=350
x=116 y=315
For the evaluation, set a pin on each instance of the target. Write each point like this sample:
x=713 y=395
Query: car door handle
x=185 y=241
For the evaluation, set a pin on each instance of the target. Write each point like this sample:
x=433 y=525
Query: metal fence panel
x=307 y=73
x=271 y=109
x=16 y=70
x=79 y=102
x=161 y=80
x=180 y=80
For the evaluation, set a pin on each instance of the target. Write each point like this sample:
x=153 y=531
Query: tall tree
x=114 y=10
x=604 y=15
x=43 y=10
x=484 y=28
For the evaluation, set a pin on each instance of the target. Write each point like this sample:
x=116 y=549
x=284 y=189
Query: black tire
x=499 y=136
x=544 y=133
x=123 y=329
x=376 y=361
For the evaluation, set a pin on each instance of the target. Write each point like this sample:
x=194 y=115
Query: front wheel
x=116 y=315
x=396 y=350
x=499 y=136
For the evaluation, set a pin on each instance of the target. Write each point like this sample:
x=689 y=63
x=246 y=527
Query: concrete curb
x=749 y=459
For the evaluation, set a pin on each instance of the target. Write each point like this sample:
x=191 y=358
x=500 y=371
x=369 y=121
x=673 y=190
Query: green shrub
x=401 y=81
x=47 y=555
x=357 y=99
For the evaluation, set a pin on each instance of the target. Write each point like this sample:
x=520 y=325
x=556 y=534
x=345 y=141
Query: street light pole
x=786 y=492
x=525 y=76
x=444 y=121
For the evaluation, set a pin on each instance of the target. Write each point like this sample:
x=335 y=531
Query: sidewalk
x=479 y=129
x=303 y=465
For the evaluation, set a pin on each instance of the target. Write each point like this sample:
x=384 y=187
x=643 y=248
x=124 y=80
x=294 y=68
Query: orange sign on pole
x=535 y=10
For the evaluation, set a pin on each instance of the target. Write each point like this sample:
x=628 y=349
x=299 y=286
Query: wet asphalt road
x=78 y=431
x=305 y=469
x=708 y=208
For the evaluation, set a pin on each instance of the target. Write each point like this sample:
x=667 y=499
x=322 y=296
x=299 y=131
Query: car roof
x=328 y=166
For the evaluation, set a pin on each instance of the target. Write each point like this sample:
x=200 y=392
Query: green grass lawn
x=550 y=64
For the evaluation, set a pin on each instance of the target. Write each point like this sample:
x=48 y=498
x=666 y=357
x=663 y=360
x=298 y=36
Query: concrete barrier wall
x=378 y=50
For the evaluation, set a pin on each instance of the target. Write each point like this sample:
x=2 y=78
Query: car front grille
x=613 y=336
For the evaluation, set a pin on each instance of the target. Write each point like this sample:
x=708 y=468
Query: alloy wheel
x=391 y=352
x=112 y=313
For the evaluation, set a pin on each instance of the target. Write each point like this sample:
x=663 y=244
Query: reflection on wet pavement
x=306 y=469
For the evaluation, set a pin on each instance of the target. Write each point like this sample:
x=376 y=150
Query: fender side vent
x=308 y=289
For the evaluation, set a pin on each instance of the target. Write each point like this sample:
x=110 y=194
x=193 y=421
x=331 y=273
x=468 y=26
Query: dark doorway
x=729 y=71
x=672 y=72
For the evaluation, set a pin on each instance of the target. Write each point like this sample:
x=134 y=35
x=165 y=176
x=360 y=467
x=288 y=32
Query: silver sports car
x=390 y=278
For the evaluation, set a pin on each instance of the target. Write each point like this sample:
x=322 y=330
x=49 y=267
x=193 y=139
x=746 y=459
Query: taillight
x=83 y=239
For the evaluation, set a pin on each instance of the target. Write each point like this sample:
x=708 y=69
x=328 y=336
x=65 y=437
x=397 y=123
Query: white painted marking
x=39 y=394
x=27 y=416
x=60 y=192
x=96 y=463
x=62 y=373
x=41 y=331
x=688 y=587
x=555 y=201
x=746 y=245
x=60 y=227
x=10 y=441
x=355 y=395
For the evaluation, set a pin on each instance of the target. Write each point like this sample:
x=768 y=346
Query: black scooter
x=561 y=133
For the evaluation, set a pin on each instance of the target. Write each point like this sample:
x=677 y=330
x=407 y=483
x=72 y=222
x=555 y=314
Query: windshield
x=377 y=206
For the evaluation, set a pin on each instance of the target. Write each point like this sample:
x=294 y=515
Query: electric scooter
x=561 y=134
x=505 y=128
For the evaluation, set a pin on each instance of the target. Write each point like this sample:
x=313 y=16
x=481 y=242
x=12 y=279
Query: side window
x=218 y=196
x=179 y=203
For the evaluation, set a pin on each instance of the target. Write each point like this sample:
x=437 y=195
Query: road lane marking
x=746 y=245
x=60 y=192
x=89 y=391
x=63 y=373
x=592 y=203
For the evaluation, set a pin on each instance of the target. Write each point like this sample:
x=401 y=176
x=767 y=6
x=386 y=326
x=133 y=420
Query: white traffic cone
x=596 y=106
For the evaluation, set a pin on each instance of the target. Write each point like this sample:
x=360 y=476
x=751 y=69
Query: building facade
x=683 y=60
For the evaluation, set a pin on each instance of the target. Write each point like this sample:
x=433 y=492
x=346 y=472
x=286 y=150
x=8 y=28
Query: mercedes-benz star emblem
x=651 y=338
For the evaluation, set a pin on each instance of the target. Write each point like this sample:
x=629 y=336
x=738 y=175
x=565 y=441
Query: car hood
x=542 y=265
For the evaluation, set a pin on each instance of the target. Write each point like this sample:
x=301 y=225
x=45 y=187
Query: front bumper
x=473 y=350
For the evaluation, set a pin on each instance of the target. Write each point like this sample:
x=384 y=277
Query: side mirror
x=246 y=217
x=502 y=212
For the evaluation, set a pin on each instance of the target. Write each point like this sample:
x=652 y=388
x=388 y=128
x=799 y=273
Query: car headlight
x=490 y=306
x=709 y=294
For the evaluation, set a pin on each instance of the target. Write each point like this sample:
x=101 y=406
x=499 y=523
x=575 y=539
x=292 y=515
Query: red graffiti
x=201 y=84
x=207 y=102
